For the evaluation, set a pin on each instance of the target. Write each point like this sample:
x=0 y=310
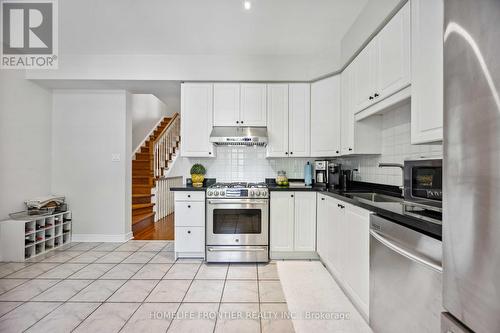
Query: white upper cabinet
x=383 y=66
x=277 y=120
x=226 y=104
x=357 y=137
x=299 y=119
x=325 y=117
x=196 y=119
x=393 y=54
x=427 y=71
x=253 y=111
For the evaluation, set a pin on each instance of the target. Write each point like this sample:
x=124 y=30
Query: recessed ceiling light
x=247 y=4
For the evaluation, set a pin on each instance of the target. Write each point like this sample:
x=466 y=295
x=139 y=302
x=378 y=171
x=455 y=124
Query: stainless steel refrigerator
x=471 y=216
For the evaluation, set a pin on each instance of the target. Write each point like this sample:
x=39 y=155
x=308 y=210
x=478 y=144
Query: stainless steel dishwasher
x=405 y=279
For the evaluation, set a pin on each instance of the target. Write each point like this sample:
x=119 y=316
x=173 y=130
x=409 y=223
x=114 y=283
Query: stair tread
x=137 y=206
x=138 y=218
x=142 y=195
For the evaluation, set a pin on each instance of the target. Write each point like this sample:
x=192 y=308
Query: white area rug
x=316 y=300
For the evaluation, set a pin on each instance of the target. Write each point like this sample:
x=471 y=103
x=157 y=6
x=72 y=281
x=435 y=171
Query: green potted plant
x=198 y=175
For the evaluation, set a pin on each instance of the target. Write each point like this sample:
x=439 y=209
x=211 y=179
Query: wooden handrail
x=166 y=127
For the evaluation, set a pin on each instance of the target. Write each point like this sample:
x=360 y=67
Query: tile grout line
x=221 y=297
x=145 y=298
x=182 y=301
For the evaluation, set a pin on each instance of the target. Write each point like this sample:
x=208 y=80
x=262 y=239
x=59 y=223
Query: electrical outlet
x=115 y=158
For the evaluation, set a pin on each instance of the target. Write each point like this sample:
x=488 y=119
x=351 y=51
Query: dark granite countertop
x=394 y=211
x=189 y=186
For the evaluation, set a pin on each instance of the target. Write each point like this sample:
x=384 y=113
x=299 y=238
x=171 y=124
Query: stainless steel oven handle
x=406 y=253
x=236 y=250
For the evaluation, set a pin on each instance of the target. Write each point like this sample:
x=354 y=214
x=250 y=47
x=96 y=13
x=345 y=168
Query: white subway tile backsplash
x=396 y=148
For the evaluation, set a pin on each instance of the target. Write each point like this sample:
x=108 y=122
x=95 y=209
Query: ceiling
x=271 y=27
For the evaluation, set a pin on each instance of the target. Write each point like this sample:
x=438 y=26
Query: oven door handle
x=238 y=202
x=211 y=249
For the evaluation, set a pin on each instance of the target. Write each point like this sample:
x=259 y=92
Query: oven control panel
x=262 y=193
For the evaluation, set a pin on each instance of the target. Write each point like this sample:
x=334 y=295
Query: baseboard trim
x=299 y=255
x=102 y=238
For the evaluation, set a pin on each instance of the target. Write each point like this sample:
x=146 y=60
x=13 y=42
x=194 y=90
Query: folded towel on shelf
x=41 y=202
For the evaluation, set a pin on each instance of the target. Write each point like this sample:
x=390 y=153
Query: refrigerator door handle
x=405 y=252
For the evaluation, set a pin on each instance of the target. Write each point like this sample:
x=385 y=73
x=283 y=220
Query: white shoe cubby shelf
x=24 y=239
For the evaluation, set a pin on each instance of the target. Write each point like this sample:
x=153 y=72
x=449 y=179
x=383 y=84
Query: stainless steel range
x=237 y=222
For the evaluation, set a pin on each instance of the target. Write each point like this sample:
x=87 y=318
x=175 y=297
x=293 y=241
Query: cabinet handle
x=370 y=98
x=376 y=95
x=291 y=153
x=241 y=122
x=322 y=198
x=291 y=195
x=286 y=153
x=209 y=153
x=340 y=206
x=350 y=149
x=337 y=152
x=189 y=206
x=189 y=231
x=189 y=195
x=237 y=122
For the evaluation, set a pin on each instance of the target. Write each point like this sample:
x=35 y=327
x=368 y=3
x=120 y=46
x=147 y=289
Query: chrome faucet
x=396 y=165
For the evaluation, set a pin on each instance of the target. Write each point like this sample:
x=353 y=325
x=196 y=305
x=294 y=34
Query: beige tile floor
x=138 y=286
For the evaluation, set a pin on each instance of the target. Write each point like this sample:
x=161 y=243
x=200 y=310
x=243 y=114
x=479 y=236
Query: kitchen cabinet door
x=365 y=81
x=356 y=261
x=253 y=110
x=427 y=71
x=277 y=120
x=328 y=217
x=337 y=236
x=347 y=113
x=325 y=117
x=299 y=119
x=322 y=226
x=196 y=119
x=226 y=104
x=305 y=221
x=393 y=55
x=282 y=221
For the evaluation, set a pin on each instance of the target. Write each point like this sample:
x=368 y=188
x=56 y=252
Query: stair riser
x=140 y=211
x=141 y=190
x=141 y=165
x=143 y=222
x=142 y=200
x=142 y=181
x=142 y=173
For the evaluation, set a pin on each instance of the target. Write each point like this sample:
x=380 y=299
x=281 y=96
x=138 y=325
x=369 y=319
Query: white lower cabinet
x=293 y=225
x=189 y=224
x=343 y=246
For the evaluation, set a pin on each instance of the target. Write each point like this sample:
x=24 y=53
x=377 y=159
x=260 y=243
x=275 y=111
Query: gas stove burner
x=238 y=190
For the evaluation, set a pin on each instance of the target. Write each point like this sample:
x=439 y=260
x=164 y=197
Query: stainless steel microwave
x=424 y=181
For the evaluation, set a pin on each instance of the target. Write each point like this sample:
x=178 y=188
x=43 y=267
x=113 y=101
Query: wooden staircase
x=145 y=172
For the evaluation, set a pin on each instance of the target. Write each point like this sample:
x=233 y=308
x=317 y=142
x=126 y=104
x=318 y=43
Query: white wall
x=369 y=20
x=146 y=111
x=89 y=127
x=25 y=141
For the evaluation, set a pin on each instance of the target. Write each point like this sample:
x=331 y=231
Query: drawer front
x=189 y=239
x=190 y=196
x=189 y=214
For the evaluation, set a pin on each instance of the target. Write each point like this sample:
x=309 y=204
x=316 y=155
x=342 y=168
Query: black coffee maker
x=338 y=178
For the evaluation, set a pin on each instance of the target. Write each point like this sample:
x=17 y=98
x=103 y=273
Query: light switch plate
x=115 y=157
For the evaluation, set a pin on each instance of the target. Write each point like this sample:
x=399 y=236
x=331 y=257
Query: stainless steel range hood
x=239 y=136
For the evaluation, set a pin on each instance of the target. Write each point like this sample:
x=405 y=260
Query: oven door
x=237 y=222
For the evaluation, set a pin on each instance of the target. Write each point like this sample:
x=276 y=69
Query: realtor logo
x=29 y=34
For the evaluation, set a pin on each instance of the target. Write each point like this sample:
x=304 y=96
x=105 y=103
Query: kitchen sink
x=374 y=197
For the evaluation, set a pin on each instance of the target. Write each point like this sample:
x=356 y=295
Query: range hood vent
x=239 y=136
